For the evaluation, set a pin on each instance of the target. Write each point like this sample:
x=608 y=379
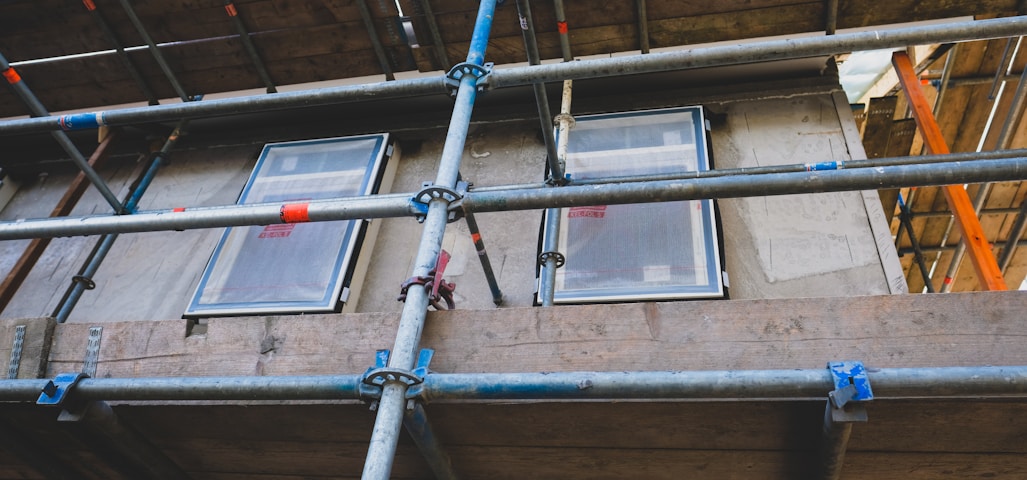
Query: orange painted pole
x=988 y=272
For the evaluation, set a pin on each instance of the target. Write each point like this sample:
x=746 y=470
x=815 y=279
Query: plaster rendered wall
x=828 y=244
x=793 y=246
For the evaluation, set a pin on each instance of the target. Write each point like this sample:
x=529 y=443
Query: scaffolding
x=399 y=384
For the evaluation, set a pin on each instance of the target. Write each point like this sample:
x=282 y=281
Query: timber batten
x=882 y=331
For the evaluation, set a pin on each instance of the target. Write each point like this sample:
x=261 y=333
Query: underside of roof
x=306 y=41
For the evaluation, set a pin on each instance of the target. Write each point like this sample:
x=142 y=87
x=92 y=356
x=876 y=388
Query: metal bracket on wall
x=16 y=348
x=852 y=387
x=92 y=351
x=56 y=390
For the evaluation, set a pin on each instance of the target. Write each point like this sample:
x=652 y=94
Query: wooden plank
x=988 y=273
x=35 y=248
x=883 y=331
x=35 y=350
x=880 y=118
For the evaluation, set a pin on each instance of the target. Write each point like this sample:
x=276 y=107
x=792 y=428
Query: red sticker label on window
x=277 y=231
x=598 y=211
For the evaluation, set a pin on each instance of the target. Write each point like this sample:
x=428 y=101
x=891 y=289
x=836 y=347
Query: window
x=642 y=251
x=293 y=267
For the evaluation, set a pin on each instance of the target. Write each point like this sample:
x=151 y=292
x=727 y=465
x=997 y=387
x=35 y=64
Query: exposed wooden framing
x=885 y=137
x=988 y=273
x=964 y=124
x=37 y=246
x=283 y=31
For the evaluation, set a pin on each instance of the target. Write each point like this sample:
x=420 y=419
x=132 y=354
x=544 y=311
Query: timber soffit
x=201 y=42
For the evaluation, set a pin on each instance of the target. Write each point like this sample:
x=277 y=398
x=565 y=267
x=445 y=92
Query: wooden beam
x=988 y=272
x=37 y=246
x=982 y=328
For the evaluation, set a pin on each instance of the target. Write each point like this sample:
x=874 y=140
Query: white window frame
x=294 y=240
x=675 y=155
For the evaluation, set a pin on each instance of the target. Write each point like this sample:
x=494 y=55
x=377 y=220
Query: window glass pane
x=294 y=267
x=640 y=251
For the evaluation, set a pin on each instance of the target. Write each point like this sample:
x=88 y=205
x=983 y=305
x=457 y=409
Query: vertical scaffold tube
x=382 y=449
x=541 y=98
x=550 y=258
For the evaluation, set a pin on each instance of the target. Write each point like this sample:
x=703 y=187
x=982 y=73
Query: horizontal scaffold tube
x=737 y=186
x=698 y=57
x=398 y=205
x=988 y=381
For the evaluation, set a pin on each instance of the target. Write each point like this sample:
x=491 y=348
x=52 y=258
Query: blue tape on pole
x=852 y=373
x=811 y=167
x=82 y=121
x=422 y=208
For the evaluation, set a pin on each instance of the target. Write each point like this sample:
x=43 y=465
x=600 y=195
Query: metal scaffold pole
x=888 y=383
x=539 y=197
x=391 y=407
x=518 y=76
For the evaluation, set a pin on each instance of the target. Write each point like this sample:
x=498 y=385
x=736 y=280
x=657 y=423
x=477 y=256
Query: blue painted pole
x=384 y=438
x=83 y=281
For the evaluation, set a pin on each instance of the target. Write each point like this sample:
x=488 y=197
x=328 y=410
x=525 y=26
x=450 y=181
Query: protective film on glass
x=292 y=267
x=645 y=251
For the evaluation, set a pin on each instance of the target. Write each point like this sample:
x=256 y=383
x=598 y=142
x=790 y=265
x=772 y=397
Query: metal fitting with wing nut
x=438 y=289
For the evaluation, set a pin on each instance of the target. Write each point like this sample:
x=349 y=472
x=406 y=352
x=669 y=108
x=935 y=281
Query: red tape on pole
x=562 y=27
x=230 y=8
x=12 y=76
x=295 y=213
x=89 y=5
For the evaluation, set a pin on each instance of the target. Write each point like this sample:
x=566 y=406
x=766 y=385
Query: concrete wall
x=793 y=246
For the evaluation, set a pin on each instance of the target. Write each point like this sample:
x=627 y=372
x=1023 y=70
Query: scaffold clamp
x=374 y=380
x=852 y=388
x=438 y=289
x=459 y=71
x=544 y=257
x=55 y=392
x=430 y=192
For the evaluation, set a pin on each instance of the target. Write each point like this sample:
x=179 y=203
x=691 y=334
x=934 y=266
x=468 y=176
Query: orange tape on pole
x=89 y=5
x=562 y=27
x=12 y=76
x=230 y=8
x=988 y=272
x=295 y=212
